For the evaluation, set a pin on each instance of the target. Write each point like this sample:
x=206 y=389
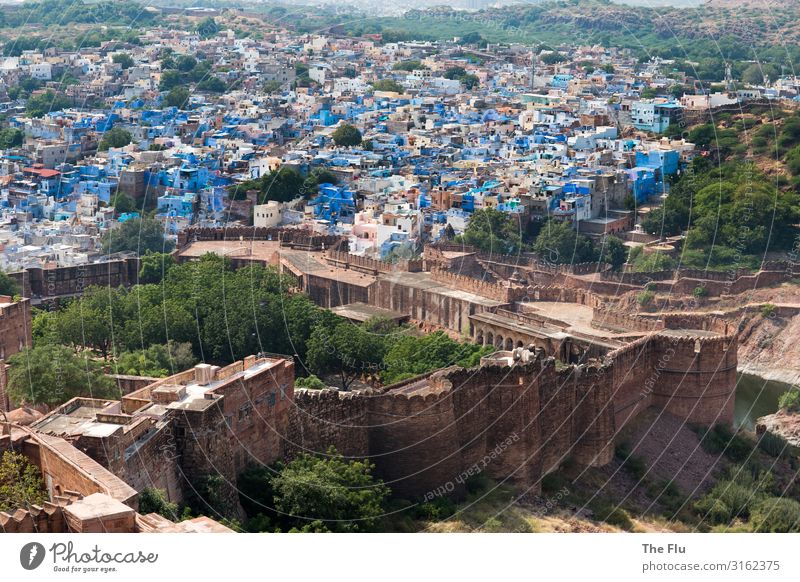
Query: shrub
x=553 y=482
x=645 y=298
x=726 y=501
x=615 y=516
x=768 y=310
x=153 y=500
x=634 y=464
x=477 y=483
x=699 y=292
x=437 y=510
x=311 y=382
x=776 y=515
x=790 y=401
x=772 y=444
x=721 y=439
x=21 y=483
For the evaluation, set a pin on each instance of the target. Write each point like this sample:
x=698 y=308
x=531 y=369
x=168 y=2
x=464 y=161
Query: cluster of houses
x=446 y=130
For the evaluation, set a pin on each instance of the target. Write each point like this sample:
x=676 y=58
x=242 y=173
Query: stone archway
x=489 y=339
x=498 y=342
x=479 y=338
x=520 y=344
x=509 y=344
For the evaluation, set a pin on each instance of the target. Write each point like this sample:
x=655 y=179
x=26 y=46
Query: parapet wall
x=495 y=291
x=372 y=266
x=55 y=282
x=608 y=319
x=289 y=237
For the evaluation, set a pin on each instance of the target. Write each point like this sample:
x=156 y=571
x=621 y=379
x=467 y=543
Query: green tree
x=152 y=500
x=116 y=137
x=311 y=382
x=11 y=137
x=208 y=28
x=137 y=235
x=177 y=97
x=212 y=84
x=283 y=185
x=341 y=494
x=157 y=360
x=408 y=66
x=21 y=484
x=454 y=72
x=346 y=136
x=123 y=59
x=155 y=266
x=185 y=63
x=754 y=74
x=53 y=374
x=613 y=252
x=123 y=203
x=469 y=81
x=389 y=85
x=7 y=285
x=46 y=102
x=653 y=262
x=558 y=242
x=493 y=231
x=169 y=80
x=346 y=349
x=790 y=401
x=411 y=355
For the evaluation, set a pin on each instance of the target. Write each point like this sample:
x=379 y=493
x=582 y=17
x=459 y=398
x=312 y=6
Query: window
x=271 y=399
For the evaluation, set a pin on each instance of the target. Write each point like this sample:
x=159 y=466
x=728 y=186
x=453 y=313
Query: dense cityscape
x=260 y=276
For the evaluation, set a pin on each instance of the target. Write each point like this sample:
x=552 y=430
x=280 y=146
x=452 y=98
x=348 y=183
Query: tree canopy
x=21 y=484
x=493 y=231
x=11 y=137
x=314 y=494
x=52 y=374
x=346 y=136
x=558 y=242
x=116 y=137
x=137 y=235
x=7 y=285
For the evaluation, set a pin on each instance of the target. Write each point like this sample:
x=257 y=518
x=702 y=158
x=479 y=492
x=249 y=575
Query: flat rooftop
x=256 y=250
x=425 y=281
x=79 y=418
x=362 y=312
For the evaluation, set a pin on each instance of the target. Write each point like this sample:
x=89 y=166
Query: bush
x=635 y=465
x=615 y=516
x=553 y=482
x=772 y=444
x=699 y=292
x=477 y=483
x=439 y=509
x=768 y=310
x=644 y=298
x=776 y=515
x=311 y=382
x=790 y=401
x=726 y=501
x=21 y=483
x=153 y=500
x=721 y=439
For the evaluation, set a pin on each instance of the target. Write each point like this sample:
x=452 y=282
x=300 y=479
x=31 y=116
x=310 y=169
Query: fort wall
x=519 y=422
x=56 y=282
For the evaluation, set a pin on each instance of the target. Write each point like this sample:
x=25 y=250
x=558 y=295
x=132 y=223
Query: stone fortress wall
x=518 y=419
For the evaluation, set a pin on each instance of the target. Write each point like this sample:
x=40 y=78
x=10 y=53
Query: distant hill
x=730 y=30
